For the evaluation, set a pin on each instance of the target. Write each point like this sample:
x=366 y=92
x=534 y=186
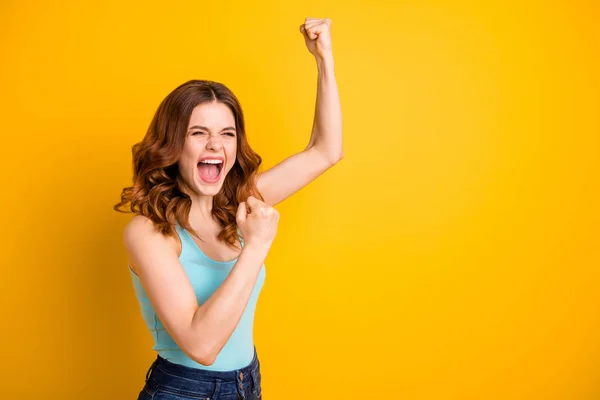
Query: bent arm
x=324 y=148
x=218 y=316
x=200 y=331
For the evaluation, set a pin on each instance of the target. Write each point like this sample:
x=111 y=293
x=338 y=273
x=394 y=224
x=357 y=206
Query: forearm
x=326 y=132
x=216 y=319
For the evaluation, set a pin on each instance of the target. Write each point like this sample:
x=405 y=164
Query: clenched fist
x=257 y=222
x=317 y=36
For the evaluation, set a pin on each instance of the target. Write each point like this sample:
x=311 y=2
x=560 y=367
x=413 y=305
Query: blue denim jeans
x=169 y=381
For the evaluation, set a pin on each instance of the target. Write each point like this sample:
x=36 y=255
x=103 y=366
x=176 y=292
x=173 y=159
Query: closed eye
x=226 y=133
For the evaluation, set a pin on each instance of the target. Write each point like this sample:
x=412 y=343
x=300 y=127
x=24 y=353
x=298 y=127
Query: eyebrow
x=206 y=129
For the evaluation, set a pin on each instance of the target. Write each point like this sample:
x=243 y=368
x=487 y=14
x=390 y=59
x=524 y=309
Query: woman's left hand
x=317 y=36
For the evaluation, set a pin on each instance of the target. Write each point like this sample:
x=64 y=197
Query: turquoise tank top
x=206 y=275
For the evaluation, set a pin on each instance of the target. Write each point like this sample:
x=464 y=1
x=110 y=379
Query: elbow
x=332 y=158
x=208 y=361
x=337 y=158
x=203 y=357
x=329 y=157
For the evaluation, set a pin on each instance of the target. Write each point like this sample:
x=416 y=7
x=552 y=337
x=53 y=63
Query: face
x=211 y=134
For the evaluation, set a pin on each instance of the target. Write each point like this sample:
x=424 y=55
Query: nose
x=214 y=143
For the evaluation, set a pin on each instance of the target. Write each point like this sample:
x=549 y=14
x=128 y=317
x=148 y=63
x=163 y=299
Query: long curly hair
x=157 y=192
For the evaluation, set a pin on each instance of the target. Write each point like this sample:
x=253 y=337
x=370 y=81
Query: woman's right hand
x=257 y=222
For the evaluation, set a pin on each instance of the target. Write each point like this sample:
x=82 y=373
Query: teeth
x=212 y=162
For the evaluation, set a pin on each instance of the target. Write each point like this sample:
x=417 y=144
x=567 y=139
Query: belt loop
x=215 y=394
x=150 y=369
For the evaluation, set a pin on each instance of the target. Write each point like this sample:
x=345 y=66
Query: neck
x=201 y=207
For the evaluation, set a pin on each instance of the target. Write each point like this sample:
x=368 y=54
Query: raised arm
x=324 y=148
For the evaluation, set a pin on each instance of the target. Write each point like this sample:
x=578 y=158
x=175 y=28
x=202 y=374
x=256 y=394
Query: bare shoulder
x=140 y=235
x=138 y=226
x=153 y=257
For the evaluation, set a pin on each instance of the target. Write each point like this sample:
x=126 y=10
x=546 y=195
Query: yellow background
x=452 y=254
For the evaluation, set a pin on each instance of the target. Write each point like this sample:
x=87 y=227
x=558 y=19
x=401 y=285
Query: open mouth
x=210 y=170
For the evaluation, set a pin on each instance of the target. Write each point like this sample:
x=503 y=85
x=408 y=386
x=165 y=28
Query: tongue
x=209 y=171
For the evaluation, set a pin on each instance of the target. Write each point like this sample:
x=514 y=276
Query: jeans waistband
x=183 y=371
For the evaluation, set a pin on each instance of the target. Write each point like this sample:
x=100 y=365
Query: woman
x=204 y=223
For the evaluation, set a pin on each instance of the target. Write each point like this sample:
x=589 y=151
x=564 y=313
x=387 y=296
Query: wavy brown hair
x=157 y=192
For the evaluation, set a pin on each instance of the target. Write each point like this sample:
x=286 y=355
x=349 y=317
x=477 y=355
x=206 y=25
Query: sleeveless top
x=205 y=275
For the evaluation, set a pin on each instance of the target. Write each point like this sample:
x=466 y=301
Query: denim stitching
x=182 y=377
x=189 y=395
